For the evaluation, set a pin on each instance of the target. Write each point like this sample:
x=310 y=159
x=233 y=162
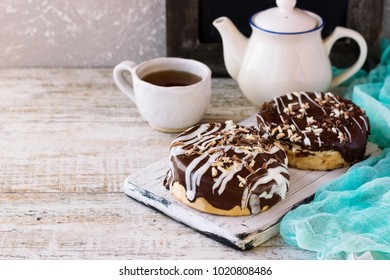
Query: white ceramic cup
x=167 y=109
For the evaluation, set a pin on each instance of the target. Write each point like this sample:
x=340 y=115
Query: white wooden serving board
x=242 y=233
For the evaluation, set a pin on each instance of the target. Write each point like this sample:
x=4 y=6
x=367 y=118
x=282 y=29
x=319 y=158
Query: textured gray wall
x=86 y=33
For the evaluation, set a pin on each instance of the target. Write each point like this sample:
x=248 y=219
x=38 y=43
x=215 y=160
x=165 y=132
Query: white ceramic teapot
x=285 y=53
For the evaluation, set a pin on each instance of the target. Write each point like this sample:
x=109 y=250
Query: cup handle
x=342 y=32
x=123 y=84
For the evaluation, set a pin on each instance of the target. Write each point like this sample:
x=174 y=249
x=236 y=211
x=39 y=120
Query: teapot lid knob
x=286 y=5
x=285 y=18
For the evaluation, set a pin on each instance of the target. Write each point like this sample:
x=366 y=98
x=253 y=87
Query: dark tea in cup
x=171 y=78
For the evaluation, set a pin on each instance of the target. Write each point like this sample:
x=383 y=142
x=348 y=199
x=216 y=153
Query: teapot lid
x=285 y=18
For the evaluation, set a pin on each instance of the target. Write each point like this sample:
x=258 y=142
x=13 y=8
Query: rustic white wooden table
x=68 y=140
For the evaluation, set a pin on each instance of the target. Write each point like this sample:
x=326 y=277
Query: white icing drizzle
x=358 y=124
x=318 y=94
x=341 y=135
x=280 y=187
x=331 y=95
x=254 y=203
x=192 y=138
x=265 y=125
x=311 y=100
x=349 y=134
x=277 y=107
x=191 y=182
x=365 y=122
x=306 y=140
x=319 y=141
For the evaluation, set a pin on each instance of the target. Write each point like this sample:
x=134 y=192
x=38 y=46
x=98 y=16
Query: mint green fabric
x=350 y=216
x=372 y=92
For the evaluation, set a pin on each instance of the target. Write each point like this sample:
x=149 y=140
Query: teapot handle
x=342 y=32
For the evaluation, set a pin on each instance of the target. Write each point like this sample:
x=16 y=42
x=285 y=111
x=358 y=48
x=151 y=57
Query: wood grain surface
x=68 y=140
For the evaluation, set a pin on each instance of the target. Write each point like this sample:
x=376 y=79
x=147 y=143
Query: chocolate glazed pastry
x=319 y=131
x=227 y=169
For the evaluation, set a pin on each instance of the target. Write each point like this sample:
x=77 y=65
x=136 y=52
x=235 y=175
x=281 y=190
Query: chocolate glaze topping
x=316 y=121
x=229 y=165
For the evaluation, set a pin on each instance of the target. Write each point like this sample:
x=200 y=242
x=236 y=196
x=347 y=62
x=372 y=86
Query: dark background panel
x=190 y=32
x=333 y=12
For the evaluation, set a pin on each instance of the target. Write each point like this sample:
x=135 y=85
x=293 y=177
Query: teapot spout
x=234 y=45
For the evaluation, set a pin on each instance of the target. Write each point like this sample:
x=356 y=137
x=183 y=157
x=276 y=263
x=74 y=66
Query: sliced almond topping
x=341 y=136
x=235 y=157
x=285 y=127
x=226 y=159
x=305 y=106
x=202 y=148
x=179 y=143
x=258 y=149
x=310 y=120
x=250 y=169
x=214 y=172
x=250 y=137
x=242 y=180
x=220 y=168
x=293 y=128
x=318 y=131
x=236 y=164
x=264 y=208
x=280 y=135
